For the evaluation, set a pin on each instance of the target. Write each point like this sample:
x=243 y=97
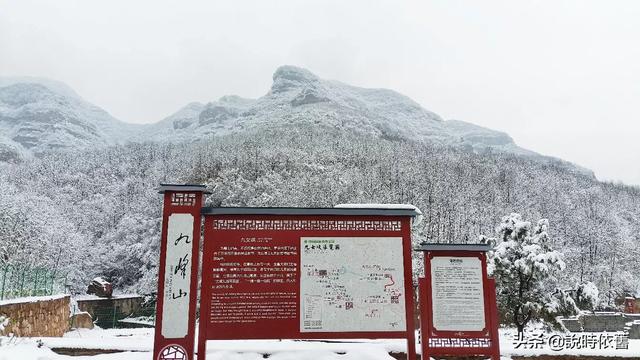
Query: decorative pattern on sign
x=332 y=225
x=173 y=352
x=460 y=342
x=183 y=199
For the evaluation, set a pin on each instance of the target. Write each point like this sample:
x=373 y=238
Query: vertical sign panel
x=457 y=294
x=177 y=276
x=352 y=284
x=178 y=271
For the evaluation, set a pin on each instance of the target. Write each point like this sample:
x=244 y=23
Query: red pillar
x=178 y=271
x=423 y=285
x=495 y=321
x=408 y=285
x=629 y=305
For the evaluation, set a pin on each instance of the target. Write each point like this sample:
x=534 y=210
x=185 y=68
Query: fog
x=561 y=77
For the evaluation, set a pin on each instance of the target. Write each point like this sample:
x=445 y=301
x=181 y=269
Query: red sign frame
x=179 y=199
x=217 y=231
x=458 y=343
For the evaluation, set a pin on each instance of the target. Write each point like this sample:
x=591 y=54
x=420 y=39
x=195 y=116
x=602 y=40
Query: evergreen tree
x=524 y=266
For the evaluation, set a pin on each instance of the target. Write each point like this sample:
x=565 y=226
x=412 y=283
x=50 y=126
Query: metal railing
x=20 y=281
x=112 y=317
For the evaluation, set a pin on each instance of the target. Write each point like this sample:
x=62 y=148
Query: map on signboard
x=457 y=294
x=352 y=284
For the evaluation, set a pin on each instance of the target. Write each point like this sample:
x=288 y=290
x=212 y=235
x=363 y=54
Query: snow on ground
x=114 y=296
x=138 y=343
x=31 y=299
x=508 y=348
x=27 y=349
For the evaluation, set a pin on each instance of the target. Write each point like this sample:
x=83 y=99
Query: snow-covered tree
x=525 y=268
x=561 y=304
x=587 y=295
x=98 y=210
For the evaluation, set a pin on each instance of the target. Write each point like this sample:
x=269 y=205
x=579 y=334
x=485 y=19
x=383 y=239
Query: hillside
x=96 y=212
x=78 y=186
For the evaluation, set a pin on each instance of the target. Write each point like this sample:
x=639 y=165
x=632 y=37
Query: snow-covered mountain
x=298 y=98
x=39 y=115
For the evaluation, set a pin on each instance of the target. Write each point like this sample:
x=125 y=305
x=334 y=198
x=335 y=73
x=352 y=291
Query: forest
x=96 y=212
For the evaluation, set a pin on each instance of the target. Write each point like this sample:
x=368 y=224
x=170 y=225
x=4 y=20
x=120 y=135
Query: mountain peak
x=55 y=86
x=288 y=77
x=16 y=95
x=39 y=115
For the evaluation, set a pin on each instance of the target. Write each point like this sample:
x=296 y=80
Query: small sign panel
x=457 y=294
x=177 y=276
x=352 y=284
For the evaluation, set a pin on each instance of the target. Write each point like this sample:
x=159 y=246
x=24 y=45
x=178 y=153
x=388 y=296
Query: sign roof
x=307 y=211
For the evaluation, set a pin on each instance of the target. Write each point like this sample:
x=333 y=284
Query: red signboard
x=282 y=273
x=458 y=311
x=178 y=272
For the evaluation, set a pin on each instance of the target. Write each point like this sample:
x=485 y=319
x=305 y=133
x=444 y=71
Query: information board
x=306 y=277
x=457 y=294
x=281 y=273
x=458 y=309
x=352 y=284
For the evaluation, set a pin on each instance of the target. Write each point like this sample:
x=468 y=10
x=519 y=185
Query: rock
x=100 y=287
x=82 y=320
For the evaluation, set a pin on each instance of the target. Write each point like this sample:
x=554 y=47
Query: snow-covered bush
x=587 y=296
x=561 y=304
x=525 y=268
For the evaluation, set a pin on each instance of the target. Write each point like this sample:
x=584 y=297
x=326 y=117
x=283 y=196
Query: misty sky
x=561 y=77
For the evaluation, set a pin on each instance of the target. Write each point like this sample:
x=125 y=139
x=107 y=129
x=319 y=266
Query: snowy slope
x=39 y=115
x=176 y=127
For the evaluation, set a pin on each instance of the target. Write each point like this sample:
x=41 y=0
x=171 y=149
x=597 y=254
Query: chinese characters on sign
x=287 y=285
x=254 y=280
x=177 y=276
x=457 y=294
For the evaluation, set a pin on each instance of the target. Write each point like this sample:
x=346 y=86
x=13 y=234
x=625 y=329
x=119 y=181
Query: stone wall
x=107 y=311
x=572 y=324
x=36 y=316
x=601 y=322
x=634 y=330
